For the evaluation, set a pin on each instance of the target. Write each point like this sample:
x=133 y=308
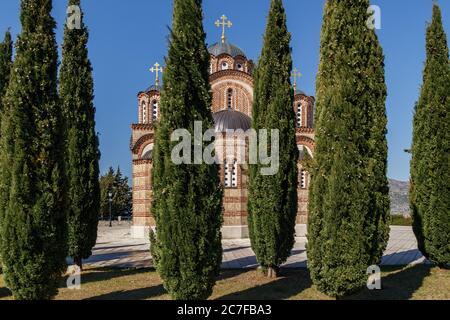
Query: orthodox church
x=232 y=90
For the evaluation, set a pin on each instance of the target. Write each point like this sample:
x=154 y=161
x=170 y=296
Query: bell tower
x=142 y=144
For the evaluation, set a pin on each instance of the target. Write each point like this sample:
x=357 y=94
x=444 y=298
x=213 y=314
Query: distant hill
x=399 y=193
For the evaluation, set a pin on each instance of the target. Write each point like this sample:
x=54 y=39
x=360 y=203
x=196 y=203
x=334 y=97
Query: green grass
x=416 y=282
x=401 y=221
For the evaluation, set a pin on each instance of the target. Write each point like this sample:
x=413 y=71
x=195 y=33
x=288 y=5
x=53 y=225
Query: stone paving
x=116 y=248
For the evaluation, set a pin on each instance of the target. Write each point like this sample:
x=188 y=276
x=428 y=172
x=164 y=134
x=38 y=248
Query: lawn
x=417 y=282
x=401 y=221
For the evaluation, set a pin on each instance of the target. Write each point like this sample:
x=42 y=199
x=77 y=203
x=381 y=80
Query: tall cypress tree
x=430 y=165
x=32 y=182
x=349 y=201
x=187 y=198
x=273 y=198
x=77 y=94
x=6 y=51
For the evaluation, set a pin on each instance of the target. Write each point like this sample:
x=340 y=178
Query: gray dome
x=299 y=92
x=153 y=88
x=220 y=48
x=231 y=120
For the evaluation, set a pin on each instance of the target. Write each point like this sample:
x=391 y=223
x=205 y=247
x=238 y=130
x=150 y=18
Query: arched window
x=154 y=110
x=230 y=98
x=303 y=177
x=144 y=112
x=240 y=67
x=227 y=174
x=299 y=115
x=234 y=180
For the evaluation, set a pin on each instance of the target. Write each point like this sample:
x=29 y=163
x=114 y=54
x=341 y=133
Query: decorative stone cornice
x=142 y=126
x=305 y=130
x=142 y=161
x=230 y=73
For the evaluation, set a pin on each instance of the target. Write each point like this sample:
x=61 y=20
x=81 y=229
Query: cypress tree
x=273 y=198
x=187 y=198
x=349 y=200
x=6 y=48
x=430 y=165
x=32 y=182
x=77 y=94
x=6 y=51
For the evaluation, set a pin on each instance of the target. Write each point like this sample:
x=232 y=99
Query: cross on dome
x=157 y=68
x=295 y=74
x=223 y=22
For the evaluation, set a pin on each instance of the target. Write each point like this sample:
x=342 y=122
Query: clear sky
x=128 y=37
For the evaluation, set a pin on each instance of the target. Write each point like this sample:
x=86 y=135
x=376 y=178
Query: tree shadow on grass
x=136 y=294
x=105 y=274
x=5 y=293
x=289 y=284
x=401 y=284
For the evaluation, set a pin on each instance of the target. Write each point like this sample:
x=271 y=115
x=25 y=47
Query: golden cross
x=157 y=68
x=295 y=74
x=223 y=24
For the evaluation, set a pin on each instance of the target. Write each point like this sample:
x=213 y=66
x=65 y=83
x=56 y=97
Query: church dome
x=231 y=120
x=225 y=48
x=153 y=88
x=299 y=92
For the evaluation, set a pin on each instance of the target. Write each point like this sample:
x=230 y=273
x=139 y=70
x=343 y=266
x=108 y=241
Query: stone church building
x=232 y=88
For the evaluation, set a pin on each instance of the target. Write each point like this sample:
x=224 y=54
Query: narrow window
x=154 y=110
x=230 y=98
x=299 y=115
x=234 y=181
x=303 y=179
x=227 y=175
x=240 y=67
x=144 y=112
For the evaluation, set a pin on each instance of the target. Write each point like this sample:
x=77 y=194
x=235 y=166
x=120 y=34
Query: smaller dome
x=220 y=48
x=153 y=88
x=299 y=92
x=231 y=120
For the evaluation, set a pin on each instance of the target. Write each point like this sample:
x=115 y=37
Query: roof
x=153 y=88
x=220 y=48
x=231 y=120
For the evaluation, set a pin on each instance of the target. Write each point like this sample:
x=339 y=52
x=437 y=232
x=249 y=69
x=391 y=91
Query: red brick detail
x=141 y=143
x=310 y=143
x=236 y=214
x=142 y=214
x=142 y=188
x=142 y=126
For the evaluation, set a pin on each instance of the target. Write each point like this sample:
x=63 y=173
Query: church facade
x=232 y=90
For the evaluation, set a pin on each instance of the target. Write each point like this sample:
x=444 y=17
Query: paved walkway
x=116 y=248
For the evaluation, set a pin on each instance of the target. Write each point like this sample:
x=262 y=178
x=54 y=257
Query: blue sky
x=128 y=37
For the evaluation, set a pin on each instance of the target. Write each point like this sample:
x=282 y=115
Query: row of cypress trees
x=49 y=155
x=349 y=197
